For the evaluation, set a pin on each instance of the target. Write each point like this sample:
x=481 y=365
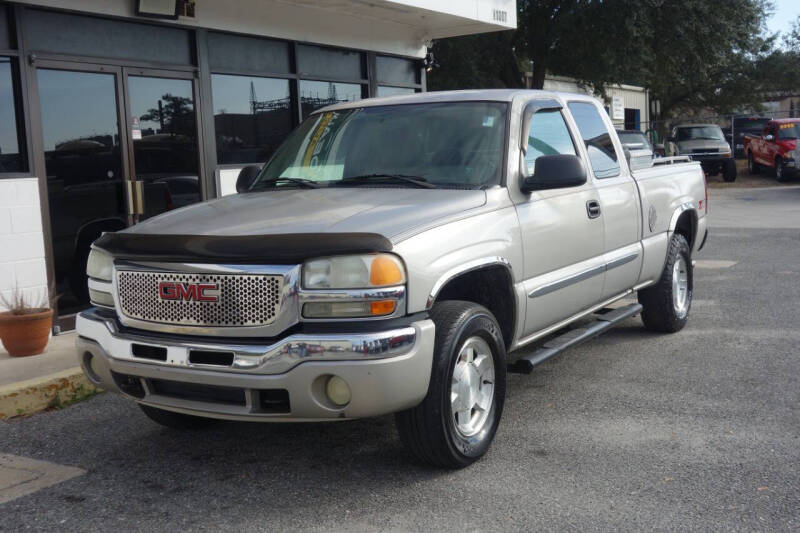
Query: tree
x=690 y=53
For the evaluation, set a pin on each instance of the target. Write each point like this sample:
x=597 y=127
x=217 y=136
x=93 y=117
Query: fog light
x=338 y=391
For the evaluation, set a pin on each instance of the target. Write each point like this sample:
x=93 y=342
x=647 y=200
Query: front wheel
x=752 y=167
x=780 y=172
x=729 y=170
x=456 y=422
x=665 y=305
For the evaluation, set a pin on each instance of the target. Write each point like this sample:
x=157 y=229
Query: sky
x=786 y=11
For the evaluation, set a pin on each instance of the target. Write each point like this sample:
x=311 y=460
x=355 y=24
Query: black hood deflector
x=280 y=249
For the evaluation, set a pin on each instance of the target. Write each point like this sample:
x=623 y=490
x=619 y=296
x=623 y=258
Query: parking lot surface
x=696 y=430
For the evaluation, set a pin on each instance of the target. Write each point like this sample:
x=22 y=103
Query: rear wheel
x=666 y=305
x=456 y=422
x=729 y=170
x=175 y=420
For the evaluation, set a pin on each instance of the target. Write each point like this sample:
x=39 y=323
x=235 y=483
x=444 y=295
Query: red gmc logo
x=198 y=292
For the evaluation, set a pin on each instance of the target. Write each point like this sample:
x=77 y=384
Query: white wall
x=22 y=263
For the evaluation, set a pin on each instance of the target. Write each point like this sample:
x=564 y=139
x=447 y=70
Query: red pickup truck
x=777 y=148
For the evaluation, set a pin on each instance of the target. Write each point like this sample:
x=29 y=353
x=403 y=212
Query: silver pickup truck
x=396 y=255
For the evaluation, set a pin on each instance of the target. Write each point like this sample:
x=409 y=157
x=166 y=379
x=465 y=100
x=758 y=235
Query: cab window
x=599 y=144
x=548 y=135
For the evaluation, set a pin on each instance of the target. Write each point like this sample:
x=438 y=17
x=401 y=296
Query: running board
x=606 y=319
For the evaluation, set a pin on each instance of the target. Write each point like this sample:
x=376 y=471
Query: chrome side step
x=606 y=319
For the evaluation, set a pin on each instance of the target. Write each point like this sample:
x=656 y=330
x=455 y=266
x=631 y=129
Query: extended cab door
x=617 y=195
x=561 y=234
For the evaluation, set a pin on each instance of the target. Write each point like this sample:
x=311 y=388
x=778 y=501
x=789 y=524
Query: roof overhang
x=403 y=27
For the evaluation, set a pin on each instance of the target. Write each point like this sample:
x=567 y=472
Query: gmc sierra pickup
x=396 y=255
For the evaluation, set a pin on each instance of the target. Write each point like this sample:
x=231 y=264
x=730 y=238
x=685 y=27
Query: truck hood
x=386 y=211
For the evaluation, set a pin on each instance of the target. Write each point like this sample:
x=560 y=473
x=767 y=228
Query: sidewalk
x=51 y=379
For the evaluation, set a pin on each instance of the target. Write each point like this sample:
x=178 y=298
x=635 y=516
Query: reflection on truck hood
x=386 y=211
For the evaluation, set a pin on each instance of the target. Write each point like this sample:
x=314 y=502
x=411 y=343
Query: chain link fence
x=734 y=126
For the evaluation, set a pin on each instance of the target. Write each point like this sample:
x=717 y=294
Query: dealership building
x=113 y=111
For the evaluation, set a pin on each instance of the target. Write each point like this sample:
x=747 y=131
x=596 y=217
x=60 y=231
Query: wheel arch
x=488 y=282
x=684 y=222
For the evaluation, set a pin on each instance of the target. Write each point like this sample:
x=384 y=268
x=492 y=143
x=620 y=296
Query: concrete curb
x=51 y=391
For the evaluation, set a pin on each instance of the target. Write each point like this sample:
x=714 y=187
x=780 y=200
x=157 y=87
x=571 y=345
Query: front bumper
x=387 y=371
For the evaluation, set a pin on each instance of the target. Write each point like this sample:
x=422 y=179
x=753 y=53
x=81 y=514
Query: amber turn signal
x=385 y=270
x=382 y=307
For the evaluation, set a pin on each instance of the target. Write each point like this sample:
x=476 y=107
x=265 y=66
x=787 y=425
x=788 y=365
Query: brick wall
x=22 y=263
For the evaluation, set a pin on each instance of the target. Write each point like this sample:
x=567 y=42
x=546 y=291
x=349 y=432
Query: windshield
x=453 y=144
x=712 y=133
x=789 y=131
x=631 y=140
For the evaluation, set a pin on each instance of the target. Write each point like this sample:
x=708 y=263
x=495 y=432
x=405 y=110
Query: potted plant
x=25 y=324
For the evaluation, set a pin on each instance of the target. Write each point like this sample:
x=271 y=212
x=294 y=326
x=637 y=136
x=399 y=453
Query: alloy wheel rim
x=680 y=287
x=778 y=170
x=472 y=386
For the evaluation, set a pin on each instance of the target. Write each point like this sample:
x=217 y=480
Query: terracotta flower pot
x=25 y=334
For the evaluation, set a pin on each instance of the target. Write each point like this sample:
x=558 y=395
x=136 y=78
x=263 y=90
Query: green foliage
x=691 y=54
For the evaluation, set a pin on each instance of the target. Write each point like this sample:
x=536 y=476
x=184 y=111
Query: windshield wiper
x=308 y=184
x=413 y=180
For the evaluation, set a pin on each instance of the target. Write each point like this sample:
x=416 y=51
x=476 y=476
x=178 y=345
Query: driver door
x=562 y=237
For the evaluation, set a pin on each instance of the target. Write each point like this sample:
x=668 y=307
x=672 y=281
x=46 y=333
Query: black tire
x=429 y=430
x=659 y=311
x=752 y=167
x=780 y=172
x=729 y=171
x=175 y=420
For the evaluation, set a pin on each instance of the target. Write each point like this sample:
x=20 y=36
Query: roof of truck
x=786 y=120
x=697 y=125
x=483 y=95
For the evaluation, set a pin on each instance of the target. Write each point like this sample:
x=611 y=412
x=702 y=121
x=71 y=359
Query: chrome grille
x=244 y=299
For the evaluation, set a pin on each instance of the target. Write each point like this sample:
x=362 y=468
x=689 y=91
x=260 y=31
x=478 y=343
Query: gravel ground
x=694 y=431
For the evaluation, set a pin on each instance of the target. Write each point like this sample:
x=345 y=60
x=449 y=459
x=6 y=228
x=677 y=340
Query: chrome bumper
x=387 y=371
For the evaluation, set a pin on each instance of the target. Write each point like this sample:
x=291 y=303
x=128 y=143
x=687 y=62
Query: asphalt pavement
x=698 y=430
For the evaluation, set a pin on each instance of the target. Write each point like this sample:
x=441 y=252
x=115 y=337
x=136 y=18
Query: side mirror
x=555 y=172
x=769 y=138
x=246 y=177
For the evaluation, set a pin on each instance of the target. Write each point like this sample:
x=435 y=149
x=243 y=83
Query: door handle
x=593 y=208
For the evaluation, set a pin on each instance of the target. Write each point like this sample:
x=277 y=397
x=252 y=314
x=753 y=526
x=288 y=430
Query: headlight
x=353 y=272
x=99 y=265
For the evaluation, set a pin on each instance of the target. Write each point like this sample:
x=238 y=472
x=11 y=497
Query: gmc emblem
x=188 y=292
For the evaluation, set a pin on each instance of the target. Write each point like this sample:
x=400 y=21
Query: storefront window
x=11 y=160
x=252 y=116
x=394 y=91
x=317 y=94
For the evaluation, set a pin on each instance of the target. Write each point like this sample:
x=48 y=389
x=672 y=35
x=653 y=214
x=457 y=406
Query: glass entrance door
x=165 y=156
x=85 y=165
x=119 y=146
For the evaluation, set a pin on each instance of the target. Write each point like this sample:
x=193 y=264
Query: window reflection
x=252 y=116
x=317 y=94
x=10 y=158
x=84 y=171
x=164 y=133
x=384 y=90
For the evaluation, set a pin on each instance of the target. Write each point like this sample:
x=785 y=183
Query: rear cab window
x=599 y=144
